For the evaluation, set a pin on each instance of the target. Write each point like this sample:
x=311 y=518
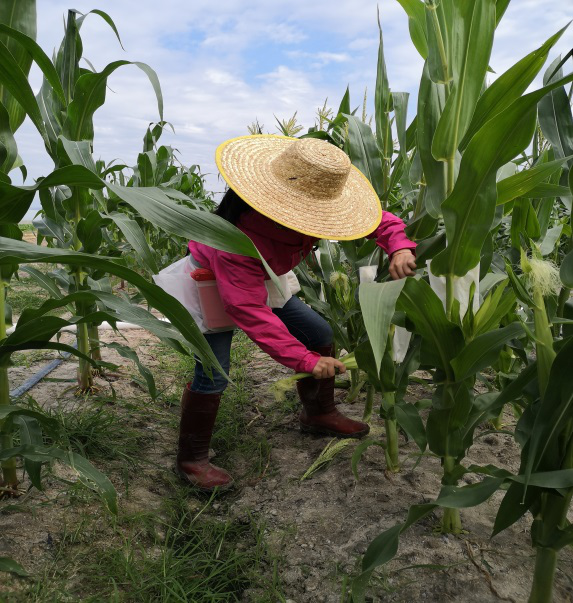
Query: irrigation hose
x=48 y=368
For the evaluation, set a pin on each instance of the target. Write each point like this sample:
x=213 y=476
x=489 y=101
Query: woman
x=285 y=194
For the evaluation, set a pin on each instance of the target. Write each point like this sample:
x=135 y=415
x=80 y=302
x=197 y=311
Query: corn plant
x=63 y=115
x=22 y=16
x=466 y=138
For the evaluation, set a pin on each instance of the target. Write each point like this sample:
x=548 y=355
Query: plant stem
x=367 y=415
x=545 y=565
x=440 y=41
x=9 y=475
x=85 y=378
x=451 y=520
x=391 y=428
x=354 y=377
x=95 y=350
x=449 y=295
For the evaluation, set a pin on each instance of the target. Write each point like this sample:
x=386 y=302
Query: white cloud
x=207 y=57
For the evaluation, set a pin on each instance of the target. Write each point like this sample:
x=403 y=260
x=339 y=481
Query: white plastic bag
x=276 y=298
x=176 y=280
x=462 y=286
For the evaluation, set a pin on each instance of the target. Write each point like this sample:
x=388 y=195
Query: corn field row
x=482 y=176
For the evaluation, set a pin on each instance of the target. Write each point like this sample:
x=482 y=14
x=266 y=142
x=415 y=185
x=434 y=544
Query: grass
x=169 y=543
x=175 y=556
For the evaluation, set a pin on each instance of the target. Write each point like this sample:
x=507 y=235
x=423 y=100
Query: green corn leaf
x=439 y=29
x=16 y=200
x=547 y=190
x=145 y=168
x=525 y=181
x=484 y=350
x=18 y=15
x=15 y=81
x=552 y=236
x=106 y=18
x=566 y=271
x=410 y=421
x=135 y=237
x=12 y=567
x=18 y=252
x=384 y=548
x=523 y=222
x=495 y=306
x=417 y=25
x=30 y=433
x=130 y=354
x=378 y=303
x=442 y=340
x=69 y=55
x=38 y=55
x=553 y=415
x=76 y=152
x=89 y=95
x=555 y=115
x=500 y=8
x=431 y=103
x=473 y=25
x=470 y=209
x=364 y=153
x=8 y=147
x=382 y=103
x=509 y=87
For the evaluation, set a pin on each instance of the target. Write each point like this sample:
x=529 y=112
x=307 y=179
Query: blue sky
x=222 y=64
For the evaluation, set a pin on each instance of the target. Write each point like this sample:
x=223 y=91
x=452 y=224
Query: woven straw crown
x=307 y=185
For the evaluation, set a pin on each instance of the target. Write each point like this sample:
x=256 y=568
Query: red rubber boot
x=198 y=413
x=320 y=414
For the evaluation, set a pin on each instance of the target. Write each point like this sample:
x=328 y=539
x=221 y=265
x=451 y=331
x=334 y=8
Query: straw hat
x=308 y=185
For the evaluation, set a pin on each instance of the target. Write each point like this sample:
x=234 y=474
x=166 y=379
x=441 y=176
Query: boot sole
x=336 y=434
x=189 y=482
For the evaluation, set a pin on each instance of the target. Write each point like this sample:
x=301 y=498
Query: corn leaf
x=364 y=152
x=484 y=350
x=89 y=94
x=509 y=87
x=555 y=116
x=10 y=566
x=15 y=81
x=18 y=15
x=378 y=303
x=19 y=252
x=431 y=103
x=470 y=209
x=473 y=25
x=417 y=25
x=442 y=340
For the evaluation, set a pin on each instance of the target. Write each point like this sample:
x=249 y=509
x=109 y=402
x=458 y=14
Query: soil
x=318 y=527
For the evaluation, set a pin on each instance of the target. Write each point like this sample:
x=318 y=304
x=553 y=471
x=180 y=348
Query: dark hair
x=231 y=207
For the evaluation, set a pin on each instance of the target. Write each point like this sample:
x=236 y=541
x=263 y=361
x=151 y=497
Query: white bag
x=462 y=286
x=289 y=285
x=176 y=280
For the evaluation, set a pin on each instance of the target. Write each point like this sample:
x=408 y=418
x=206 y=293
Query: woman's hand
x=326 y=367
x=402 y=264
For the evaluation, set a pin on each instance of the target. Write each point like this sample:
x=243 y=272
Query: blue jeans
x=301 y=321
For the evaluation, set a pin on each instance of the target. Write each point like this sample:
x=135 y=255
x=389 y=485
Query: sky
x=223 y=64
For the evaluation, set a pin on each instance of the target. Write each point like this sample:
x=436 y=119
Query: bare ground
x=318 y=528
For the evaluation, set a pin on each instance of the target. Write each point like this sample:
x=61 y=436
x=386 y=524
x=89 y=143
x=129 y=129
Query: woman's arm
x=241 y=284
x=391 y=237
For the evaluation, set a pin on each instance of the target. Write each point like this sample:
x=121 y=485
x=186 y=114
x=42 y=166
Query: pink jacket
x=241 y=280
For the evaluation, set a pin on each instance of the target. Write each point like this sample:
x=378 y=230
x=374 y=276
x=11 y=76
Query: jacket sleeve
x=390 y=234
x=241 y=284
